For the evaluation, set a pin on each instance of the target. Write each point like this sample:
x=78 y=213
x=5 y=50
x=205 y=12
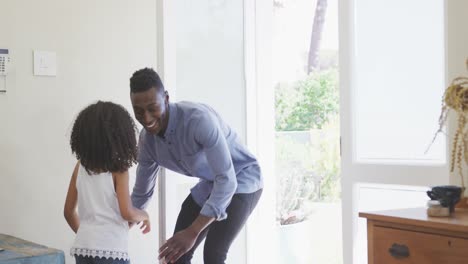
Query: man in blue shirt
x=192 y=139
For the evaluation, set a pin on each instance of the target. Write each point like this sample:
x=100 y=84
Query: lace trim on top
x=99 y=253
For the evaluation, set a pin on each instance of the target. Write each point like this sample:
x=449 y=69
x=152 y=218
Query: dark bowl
x=448 y=195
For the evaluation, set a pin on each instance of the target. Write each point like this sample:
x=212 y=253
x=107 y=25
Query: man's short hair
x=145 y=79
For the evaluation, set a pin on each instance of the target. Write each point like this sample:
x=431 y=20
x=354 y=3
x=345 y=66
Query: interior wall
x=457 y=55
x=99 y=44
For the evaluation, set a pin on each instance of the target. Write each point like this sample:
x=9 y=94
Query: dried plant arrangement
x=456 y=98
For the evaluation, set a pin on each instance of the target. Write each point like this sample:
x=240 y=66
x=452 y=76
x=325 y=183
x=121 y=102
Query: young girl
x=104 y=142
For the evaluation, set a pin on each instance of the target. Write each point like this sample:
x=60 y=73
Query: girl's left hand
x=145 y=226
x=178 y=245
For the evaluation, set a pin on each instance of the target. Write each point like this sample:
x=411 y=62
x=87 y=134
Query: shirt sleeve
x=146 y=175
x=210 y=136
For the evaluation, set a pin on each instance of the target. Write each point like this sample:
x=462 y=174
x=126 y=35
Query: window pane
x=400 y=79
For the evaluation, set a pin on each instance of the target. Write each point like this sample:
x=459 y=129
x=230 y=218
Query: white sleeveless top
x=102 y=232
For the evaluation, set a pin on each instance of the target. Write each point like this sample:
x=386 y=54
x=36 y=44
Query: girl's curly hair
x=103 y=138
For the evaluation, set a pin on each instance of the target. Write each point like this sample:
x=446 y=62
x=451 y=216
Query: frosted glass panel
x=400 y=79
x=384 y=197
x=209 y=69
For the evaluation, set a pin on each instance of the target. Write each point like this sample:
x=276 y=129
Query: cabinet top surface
x=458 y=221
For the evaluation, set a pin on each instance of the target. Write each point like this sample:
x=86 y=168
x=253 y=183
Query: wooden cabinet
x=410 y=236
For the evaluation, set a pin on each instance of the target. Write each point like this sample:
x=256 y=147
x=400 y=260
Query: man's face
x=150 y=108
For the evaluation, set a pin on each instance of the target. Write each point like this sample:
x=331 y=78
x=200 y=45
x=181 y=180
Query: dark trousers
x=219 y=234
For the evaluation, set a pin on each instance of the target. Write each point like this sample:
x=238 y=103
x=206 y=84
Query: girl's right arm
x=71 y=201
x=128 y=212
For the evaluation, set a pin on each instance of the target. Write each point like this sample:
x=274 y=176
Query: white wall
x=457 y=54
x=99 y=44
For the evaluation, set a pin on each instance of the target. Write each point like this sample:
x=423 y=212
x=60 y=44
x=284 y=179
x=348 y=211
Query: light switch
x=45 y=63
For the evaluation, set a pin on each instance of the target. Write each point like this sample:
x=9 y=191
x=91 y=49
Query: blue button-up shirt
x=197 y=143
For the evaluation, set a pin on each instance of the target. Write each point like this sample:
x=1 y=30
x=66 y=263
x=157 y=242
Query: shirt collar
x=171 y=123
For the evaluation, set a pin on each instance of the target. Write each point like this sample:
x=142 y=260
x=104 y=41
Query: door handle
x=399 y=251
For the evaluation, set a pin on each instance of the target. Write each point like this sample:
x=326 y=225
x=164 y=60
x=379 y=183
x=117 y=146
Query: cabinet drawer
x=401 y=246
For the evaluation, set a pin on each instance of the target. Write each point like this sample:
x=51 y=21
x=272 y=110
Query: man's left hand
x=178 y=245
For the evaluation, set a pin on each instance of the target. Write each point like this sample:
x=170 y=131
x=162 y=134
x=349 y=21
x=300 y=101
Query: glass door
x=392 y=77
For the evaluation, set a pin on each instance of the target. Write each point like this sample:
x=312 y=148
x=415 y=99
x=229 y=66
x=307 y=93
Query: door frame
x=260 y=124
x=166 y=67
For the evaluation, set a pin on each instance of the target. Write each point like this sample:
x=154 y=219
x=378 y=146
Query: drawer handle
x=399 y=251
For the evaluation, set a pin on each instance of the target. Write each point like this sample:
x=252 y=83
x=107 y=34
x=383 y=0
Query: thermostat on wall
x=4 y=60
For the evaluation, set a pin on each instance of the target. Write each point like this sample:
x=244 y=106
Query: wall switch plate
x=45 y=63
